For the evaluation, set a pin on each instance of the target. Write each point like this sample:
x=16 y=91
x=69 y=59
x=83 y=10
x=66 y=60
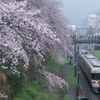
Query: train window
x=96 y=76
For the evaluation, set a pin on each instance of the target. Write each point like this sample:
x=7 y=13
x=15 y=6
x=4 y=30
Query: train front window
x=96 y=76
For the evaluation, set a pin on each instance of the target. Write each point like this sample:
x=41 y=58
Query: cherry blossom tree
x=53 y=16
x=30 y=29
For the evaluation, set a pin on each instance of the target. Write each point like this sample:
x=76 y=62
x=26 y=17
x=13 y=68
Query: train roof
x=95 y=70
x=95 y=63
x=89 y=56
x=84 y=51
x=92 y=61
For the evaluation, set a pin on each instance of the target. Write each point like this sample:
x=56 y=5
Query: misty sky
x=80 y=7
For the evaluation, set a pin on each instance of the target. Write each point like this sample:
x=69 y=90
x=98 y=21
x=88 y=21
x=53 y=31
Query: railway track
x=86 y=88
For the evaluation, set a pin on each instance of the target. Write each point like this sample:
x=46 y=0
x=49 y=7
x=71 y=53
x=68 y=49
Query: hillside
x=31 y=31
x=39 y=91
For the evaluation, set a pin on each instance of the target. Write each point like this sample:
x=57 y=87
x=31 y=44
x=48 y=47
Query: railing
x=86 y=41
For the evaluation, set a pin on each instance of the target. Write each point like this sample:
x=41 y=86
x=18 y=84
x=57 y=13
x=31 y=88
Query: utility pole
x=75 y=54
x=77 y=86
x=78 y=65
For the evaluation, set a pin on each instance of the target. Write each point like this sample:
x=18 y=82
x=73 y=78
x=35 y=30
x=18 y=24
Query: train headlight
x=92 y=82
x=95 y=82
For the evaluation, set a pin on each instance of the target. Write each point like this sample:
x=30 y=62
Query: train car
x=91 y=67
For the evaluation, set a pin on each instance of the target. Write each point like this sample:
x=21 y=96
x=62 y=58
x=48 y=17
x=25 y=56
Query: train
x=91 y=67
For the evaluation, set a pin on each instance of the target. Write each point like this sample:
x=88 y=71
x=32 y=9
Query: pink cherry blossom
x=30 y=28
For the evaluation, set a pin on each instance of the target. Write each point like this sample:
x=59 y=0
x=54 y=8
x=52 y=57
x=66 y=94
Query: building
x=98 y=24
x=72 y=29
x=92 y=20
x=81 y=31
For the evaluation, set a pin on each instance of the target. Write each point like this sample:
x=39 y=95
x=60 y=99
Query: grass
x=52 y=61
x=66 y=72
x=66 y=97
x=66 y=61
x=69 y=75
x=35 y=91
x=52 y=64
x=96 y=53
